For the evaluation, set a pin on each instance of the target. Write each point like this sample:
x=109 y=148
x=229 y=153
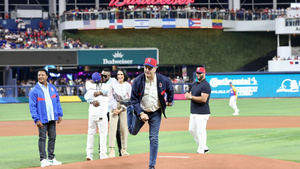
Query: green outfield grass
x=284 y=144
x=219 y=107
x=279 y=143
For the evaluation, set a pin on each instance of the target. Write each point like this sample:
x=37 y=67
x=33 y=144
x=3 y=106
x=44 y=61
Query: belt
x=158 y=110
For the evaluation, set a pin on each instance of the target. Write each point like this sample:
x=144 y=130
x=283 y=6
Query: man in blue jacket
x=45 y=109
x=148 y=103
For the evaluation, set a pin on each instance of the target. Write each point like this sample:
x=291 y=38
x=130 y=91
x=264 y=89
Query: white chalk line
x=174 y=156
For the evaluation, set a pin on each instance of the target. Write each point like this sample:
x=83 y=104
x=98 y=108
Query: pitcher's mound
x=184 y=161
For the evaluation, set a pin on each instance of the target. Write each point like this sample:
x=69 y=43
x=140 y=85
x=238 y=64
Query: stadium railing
x=67 y=90
x=169 y=14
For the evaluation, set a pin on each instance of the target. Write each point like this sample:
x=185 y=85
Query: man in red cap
x=200 y=112
x=148 y=103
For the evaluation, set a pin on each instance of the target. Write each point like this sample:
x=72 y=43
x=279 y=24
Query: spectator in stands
x=41 y=25
x=31 y=39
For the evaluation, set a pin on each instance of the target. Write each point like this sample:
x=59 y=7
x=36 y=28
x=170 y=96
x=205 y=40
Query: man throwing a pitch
x=148 y=101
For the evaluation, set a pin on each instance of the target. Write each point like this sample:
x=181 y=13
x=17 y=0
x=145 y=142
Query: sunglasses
x=199 y=73
x=104 y=76
x=148 y=67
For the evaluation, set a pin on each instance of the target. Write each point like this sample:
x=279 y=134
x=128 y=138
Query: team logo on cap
x=149 y=60
x=160 y=85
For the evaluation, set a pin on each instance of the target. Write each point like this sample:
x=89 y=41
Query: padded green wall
x=220 y=51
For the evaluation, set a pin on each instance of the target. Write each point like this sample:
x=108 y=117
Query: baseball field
x=266 y=134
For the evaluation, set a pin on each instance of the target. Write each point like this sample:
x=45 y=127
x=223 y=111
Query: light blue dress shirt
x=48 y=101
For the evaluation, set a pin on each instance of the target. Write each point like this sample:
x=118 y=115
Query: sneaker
x=235 y=114
x=112 y=153
x=55 y=162
x=206 y=151
x=45 y=163
x=103 y=156
x=124 y=153
x=89 y=158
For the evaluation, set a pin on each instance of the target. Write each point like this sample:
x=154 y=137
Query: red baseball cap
x=150 y=62
x=200 y=70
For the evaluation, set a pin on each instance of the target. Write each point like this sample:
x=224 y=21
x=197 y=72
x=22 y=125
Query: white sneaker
x=55 y=162
x=235 y=114
x=200 y=150
x=45 y=163
x=103 y=156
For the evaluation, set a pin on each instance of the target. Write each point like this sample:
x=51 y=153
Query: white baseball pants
x=102 y=123
x=197 y=127
x=232 y=104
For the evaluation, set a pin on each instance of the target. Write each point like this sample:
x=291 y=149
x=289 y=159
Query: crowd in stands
x=65 y=87
x=70 y=44
x=68 y=87
x=286 y=58
x=168 y=11
x=29 y=39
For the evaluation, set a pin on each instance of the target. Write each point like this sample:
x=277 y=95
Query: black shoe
x=206 y=151
x=152 y=167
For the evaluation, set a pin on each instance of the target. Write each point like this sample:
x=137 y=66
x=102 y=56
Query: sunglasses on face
x=148 y=67
x=199 y=73
x=104 y=76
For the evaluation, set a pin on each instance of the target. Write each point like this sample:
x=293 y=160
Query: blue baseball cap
x=96 y=77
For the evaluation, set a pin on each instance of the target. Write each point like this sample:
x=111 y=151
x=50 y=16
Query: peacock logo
x=288 y=85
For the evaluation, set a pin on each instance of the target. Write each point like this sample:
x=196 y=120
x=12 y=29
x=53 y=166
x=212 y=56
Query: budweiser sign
x=149 y=2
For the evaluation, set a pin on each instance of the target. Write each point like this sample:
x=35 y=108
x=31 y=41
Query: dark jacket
x=164 y=86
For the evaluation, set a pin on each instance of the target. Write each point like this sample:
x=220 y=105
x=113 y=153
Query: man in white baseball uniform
x=233 y=99
x=97 y=97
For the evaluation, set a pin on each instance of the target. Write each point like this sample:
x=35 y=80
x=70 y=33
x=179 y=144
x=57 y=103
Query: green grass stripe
x=282 y=143
x=219 y=108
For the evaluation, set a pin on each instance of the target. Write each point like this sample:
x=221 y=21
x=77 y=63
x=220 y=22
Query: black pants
x=49 y=128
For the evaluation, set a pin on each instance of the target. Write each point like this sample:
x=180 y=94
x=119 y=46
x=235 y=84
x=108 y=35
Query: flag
x=217 y=24
x=141 y=24
x=194 y=23
x=116 y=24
x=89 y=24
x=294 y=62
x=168 y=23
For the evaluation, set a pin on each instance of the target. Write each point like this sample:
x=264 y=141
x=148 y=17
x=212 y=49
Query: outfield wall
x=255 y=85
x=248 y=85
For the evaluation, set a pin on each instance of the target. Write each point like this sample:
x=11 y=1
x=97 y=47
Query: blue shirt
x=48 y=101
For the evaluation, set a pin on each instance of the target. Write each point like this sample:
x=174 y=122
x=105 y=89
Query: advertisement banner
x=255 y=85
x=116 y=56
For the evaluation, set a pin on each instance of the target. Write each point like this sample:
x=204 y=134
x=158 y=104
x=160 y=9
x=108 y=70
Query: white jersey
x=102 y=99
x=120 y=92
